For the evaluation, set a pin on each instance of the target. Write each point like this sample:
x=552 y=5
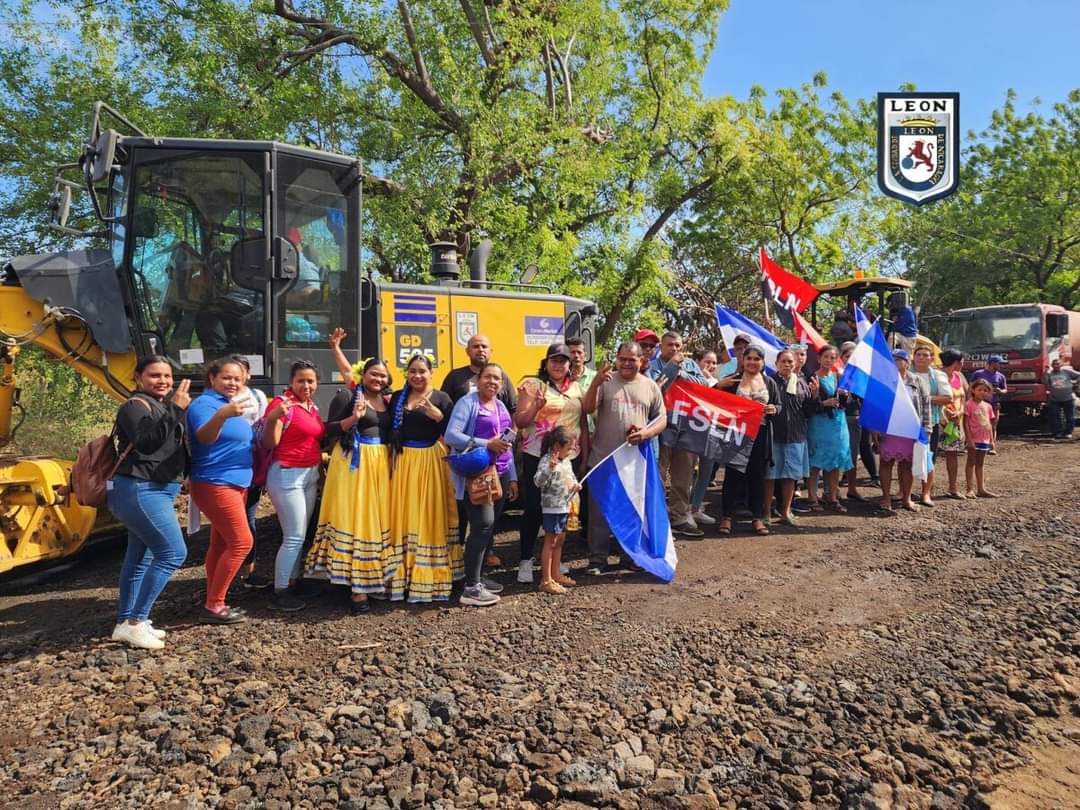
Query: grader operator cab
x=215 y=247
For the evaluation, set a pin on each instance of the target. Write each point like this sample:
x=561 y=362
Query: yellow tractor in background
x=890 y=292
x=214 y=247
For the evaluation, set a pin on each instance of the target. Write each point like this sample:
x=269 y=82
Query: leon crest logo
x=918 y=145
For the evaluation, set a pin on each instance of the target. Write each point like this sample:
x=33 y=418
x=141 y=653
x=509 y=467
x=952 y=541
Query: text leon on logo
x=918 y=145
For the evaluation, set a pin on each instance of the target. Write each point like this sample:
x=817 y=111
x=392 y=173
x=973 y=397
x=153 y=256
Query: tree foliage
x=1011 y=234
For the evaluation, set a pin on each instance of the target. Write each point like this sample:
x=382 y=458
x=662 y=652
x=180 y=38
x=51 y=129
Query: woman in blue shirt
x=221 y=441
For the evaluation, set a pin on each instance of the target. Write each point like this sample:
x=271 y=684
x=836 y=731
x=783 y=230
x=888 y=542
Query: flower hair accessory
x=358 y=369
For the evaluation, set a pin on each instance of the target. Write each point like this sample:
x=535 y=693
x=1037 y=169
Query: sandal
x=956 y=496
x=552 y=587
x=886 y=509
x=789 y=520
x=911 y=506
x=725 y=526
x=816 y=506
x=855 y=496
x=759 y=527
x=565 y=581
x=836 y=506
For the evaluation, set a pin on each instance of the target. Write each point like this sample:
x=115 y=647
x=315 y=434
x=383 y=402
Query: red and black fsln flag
x=713 y=424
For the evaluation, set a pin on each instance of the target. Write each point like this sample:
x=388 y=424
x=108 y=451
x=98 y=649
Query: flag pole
x=617 y=449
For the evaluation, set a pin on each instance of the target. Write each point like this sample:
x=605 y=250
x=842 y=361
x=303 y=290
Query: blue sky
x=977 y=48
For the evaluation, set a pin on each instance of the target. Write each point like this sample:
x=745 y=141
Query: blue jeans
x=705 y=471
x=292 y=491
x=1062 y=417
x=155 y=546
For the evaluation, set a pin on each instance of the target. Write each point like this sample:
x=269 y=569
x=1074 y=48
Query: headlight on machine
x=1023 y=376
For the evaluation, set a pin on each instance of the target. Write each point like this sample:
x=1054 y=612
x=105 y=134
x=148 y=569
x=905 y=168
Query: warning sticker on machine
x=542 y=330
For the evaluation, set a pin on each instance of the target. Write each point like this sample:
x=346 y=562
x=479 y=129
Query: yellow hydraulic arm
x=39 y=520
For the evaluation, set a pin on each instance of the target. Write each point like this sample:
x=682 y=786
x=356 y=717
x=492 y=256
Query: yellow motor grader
x=215 y=247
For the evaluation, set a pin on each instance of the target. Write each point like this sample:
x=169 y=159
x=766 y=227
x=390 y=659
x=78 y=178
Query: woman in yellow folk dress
x=352 y=542
x=423 y=512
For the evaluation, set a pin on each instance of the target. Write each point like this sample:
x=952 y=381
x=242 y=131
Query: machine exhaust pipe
x=478 y=260
x=444 y=264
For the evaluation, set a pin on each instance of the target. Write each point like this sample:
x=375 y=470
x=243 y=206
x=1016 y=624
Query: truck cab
x=1028 y=336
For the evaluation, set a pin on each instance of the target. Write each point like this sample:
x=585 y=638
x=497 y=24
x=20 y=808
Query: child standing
x=557 y=484
x=978 y=422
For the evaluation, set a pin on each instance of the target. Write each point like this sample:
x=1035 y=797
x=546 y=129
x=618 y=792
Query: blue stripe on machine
x=403 y=317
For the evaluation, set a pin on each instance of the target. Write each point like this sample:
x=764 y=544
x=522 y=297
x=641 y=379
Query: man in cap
x=734 y=364
x=992 y=374
x=669 y=365
x=648 y=340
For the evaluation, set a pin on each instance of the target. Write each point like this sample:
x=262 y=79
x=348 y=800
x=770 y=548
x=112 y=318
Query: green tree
x=1012 y=231
x=804 y=191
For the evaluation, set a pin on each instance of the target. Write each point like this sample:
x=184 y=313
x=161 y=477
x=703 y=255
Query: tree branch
x=330 y=35
x=478 y=32
x=410 y=36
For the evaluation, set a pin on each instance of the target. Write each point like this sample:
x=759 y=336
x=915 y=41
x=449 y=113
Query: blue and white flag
x=862 y=323
x=871 y=374
x=627 y=488
x=732 y=324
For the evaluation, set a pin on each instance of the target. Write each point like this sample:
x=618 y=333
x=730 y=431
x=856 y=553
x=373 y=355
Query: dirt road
x=925 y=661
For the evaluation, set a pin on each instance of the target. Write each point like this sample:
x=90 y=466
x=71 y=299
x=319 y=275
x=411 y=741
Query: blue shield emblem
x=918 y=145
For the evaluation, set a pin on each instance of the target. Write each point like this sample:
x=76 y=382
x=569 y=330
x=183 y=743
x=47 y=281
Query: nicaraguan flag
x=862 y=323
x=627 y=488
x=871 y=373
x=733 y=324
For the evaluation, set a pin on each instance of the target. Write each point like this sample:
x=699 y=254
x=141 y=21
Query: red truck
x=1028 y=336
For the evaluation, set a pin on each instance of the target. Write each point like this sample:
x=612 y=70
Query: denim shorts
x=555 y=524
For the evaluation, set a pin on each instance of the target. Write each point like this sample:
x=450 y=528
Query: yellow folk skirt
x=423 y=520
x=353 y=543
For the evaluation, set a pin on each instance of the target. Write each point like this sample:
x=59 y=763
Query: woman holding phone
x=480 y=418
x=220 y=440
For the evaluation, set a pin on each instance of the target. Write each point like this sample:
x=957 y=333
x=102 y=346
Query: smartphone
x=508 y=435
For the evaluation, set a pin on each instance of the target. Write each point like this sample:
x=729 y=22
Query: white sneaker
x=525 y=571
x=150 y=625
x=702 y=518
x=137 y=635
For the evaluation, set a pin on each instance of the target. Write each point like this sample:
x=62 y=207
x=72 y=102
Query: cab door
x=316 y=261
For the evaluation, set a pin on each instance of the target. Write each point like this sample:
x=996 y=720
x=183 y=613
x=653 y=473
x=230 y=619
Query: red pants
x=230 y=536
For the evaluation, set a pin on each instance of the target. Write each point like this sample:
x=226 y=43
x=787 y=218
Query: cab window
x=314 y=207
x=190 y=211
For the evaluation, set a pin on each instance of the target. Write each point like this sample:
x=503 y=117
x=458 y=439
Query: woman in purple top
x=480 y=418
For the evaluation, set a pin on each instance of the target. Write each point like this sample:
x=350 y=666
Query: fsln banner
x=711 y=423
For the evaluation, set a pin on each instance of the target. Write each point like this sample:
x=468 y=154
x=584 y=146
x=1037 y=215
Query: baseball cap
x=645 y=334
x=745 y=338
x=557 y=350
x=996 y=358
x=901 y=354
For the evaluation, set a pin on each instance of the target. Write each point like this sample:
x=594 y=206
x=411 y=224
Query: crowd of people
x=404 y=516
